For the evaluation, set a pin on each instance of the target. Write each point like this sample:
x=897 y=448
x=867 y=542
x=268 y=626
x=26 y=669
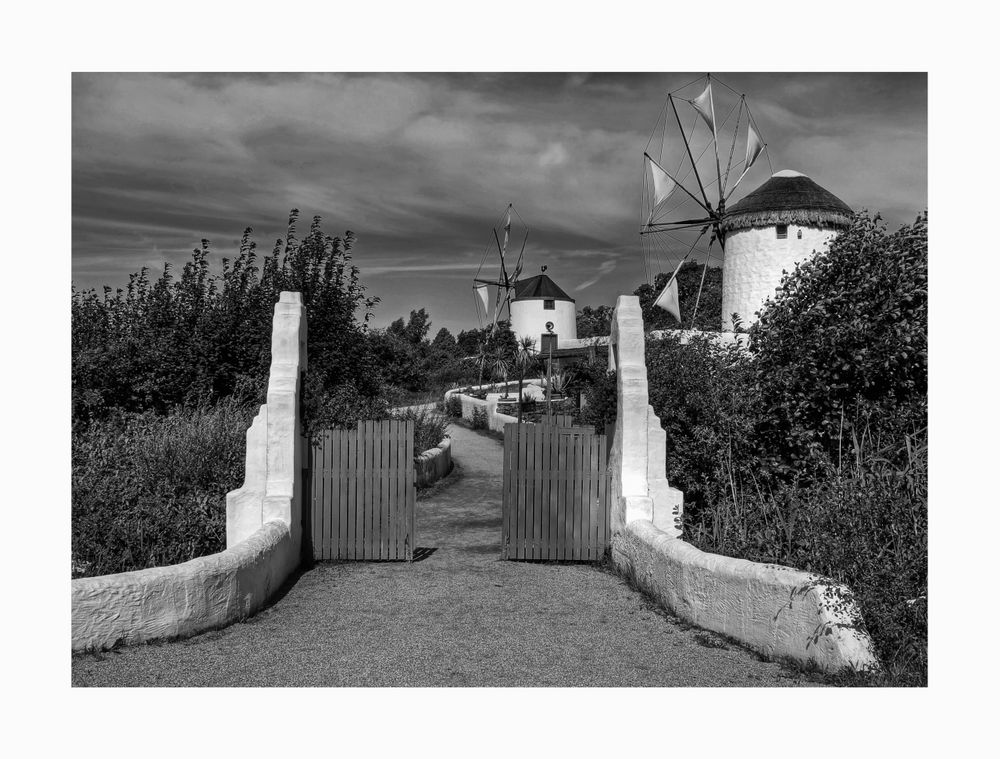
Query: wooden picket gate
x=363 y=492
x=555 y=492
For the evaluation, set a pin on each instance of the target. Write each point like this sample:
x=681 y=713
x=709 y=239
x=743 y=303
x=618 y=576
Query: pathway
x=459 y=617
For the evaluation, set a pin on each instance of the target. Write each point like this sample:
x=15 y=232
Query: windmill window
x=550 y=305
x=782 y=231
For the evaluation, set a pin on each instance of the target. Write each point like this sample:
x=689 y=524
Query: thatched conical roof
x=788 y=197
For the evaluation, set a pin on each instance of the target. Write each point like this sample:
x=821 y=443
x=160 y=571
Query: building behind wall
x=783 y=222
x=538 y=301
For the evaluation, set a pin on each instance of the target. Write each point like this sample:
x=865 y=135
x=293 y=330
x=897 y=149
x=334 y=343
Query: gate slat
x=343 y=489
x=528 y=445
x=401 y=523
x=411 y=491
x=371 y=485
x=332 y=513
x=322 y=482
x=561 y=462
x=578 y=503
x=604 y=512
x=383 y=490
x=505 y=494
x=390 y=496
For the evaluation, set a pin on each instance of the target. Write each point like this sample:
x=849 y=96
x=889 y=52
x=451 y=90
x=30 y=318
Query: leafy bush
x=479 y=419
x=703 y=394
x=843 y=345
x=453 y=406
x=149 y=490
x=429 y=428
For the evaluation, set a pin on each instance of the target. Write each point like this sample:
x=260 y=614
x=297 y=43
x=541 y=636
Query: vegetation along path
x=460 y=616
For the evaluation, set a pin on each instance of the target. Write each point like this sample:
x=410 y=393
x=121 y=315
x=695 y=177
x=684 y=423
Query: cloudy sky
x=421 y=166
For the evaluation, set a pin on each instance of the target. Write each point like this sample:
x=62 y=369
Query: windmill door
x=555 y=492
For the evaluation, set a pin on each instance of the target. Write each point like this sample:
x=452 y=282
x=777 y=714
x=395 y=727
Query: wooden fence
x=363 y=492
x=555 y=493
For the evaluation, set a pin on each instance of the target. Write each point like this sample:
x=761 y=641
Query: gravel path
x=458 y=617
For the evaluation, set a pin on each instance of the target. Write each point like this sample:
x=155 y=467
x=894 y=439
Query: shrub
x=429 y=428
x=150 y=490
x=703 y=394
x=479 y=419
x=453 y=406
x=843 y=344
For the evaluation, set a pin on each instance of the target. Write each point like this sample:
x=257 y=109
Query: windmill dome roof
x=788 y=197
x=539 y=286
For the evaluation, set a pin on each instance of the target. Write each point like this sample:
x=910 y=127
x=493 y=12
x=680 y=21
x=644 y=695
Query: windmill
x=505 y=282
x=689 y=174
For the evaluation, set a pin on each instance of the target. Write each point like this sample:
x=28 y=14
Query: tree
x=709 y=315
x=594 y=322
x=199 y=337
x=444 y=341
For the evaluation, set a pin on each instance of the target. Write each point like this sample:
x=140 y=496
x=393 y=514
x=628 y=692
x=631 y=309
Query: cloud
x=421 y=166
x=605 y=268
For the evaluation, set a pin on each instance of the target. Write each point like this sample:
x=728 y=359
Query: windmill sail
x=754 y=147
x=484 y=294
x=505 y=281
x=696 y=143
x=663 y=186
x=668 y=298
x=705 y=107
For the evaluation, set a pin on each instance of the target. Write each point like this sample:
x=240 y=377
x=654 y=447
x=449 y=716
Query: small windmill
x=505 y=282
x=685 y=189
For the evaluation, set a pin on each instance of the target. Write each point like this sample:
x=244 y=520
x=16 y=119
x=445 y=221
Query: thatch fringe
x=804 y=216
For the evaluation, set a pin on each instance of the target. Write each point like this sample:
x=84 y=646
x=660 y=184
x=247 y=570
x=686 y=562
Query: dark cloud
x=420 y=166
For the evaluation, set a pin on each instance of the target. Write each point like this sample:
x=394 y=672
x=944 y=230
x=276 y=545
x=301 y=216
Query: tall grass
x=863 y=524
x=149 y=490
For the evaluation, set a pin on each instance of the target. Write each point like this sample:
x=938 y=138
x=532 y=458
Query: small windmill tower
x=781 y=223
x=539 y=301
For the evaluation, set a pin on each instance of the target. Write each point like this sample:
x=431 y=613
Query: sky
x=421 y=166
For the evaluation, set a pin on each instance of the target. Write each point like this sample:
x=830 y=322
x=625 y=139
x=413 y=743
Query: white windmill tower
x=781 y=223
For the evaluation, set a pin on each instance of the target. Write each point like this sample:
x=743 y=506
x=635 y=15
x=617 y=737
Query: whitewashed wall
x=754 y=262
x=528 y=317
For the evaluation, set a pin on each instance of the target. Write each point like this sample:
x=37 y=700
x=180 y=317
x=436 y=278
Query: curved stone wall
x=780 y=612
x=433 y=464
x=183 y=599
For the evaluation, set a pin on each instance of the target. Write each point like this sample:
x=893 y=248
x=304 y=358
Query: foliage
x=709 y=315
x=453 y=406
x=843 y=345
x=479 y=419
x=600 y=394
x=811 y=451
x=429 y=428
x=594 y=322
x=201 y=337
x=149 y=490
x=703 y=394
